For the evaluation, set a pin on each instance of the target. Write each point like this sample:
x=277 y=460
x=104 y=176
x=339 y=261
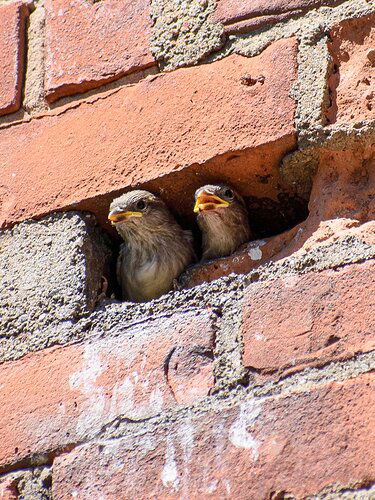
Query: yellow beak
x=119 y=216
x=206 y=201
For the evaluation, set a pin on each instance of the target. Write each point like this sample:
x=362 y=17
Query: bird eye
x=141 y=205
x=229 y=193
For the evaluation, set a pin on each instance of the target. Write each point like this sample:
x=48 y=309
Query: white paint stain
x=212 y=487
x=239 y=434
x=156 y=400
x=227 y=485
x=259 y=336
x=169 y=474
x=255 y=253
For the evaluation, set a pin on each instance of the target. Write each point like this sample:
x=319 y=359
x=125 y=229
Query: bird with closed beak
x=222 y=218
x=156 y=250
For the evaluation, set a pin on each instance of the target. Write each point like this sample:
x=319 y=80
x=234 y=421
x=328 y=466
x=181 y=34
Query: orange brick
x=83 y=156
x=12 y=52
x=90 y=43
x=352 y=83
x=309 y=320
x=58 y=396
x=296 y=444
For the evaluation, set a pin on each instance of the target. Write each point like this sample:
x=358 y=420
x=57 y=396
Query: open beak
x=206 y=201
x=120 y=216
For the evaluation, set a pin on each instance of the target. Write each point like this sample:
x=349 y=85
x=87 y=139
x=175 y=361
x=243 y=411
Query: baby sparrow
x=156 y=250
x=222 y=218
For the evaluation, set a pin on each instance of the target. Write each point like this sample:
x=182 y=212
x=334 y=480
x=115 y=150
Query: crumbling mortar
x=34 y=79
x=299 y=167
x=31 y=483
x=355 y=490
x=182 y=33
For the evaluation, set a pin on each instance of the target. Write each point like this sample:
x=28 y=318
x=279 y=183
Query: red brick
x=89 y=43
x=310 y=319
x=58 y=396
x=8 y=489
x=261 y=12
x=352 y=83
x=170 y=133
x=298 y=444
x=12 y=53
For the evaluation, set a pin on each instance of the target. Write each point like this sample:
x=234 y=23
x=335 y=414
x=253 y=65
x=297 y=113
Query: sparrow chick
x=222 y=218
x=155 y=250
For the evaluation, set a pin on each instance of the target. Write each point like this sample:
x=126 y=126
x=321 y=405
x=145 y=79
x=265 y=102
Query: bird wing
x=188 y=235
x=120 y=263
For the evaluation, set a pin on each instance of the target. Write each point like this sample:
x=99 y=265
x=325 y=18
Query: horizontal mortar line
x=89 y=97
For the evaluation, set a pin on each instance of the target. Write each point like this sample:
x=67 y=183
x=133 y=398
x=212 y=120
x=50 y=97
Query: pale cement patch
x=34 y=84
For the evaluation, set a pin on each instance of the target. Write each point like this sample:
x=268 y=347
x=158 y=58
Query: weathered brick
x=12 y=52
x=78 y=157
x=90 y=43
x=248 y=15
x=352 y=83
x=8 y=489
x=51 y=273
x=59 y=396
x=296 y=444
x=309 y=320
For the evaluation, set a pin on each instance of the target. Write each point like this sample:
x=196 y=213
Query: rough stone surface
x=308 y=320
x=248 y=451
x=12 y=51
x=182 y=33
x=29 y=484
x=51 y=273
x=78 y=158
x=88 y=44
x=352 y=83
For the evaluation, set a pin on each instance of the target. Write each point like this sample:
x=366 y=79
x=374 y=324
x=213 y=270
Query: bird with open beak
x=222 y=218
x=156 y=250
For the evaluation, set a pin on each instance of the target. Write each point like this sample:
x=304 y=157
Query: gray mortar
x=182 y=34
x=32 y=484
x=355 y=492
x=34 y=83
x=50 y=273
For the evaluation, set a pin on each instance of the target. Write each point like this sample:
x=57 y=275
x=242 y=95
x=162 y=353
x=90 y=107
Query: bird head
x=137 y=211
x=222 y=218
x=216 y=198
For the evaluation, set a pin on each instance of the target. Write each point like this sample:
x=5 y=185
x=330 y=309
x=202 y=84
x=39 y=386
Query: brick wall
x=256 y=379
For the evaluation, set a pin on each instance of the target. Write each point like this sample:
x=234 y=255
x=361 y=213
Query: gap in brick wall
x=268 y=218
